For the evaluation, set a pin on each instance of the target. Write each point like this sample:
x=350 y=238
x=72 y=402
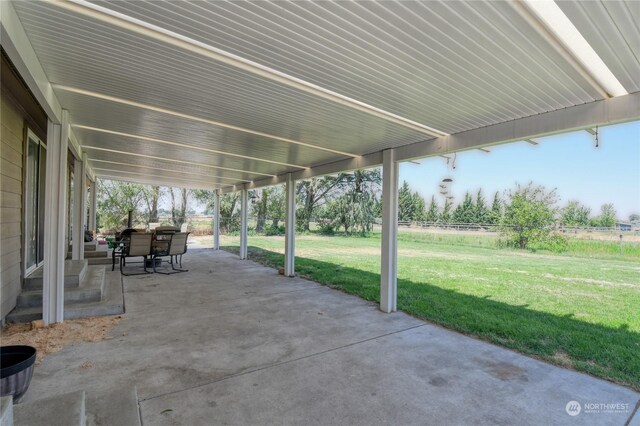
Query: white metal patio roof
x=220 y=94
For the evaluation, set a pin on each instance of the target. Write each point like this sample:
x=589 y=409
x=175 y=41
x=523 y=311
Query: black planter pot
x=17 y=370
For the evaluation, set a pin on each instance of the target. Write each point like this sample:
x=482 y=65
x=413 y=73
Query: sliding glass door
x=34 y=202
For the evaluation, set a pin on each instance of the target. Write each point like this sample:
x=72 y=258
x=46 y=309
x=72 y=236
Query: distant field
x=580 y=309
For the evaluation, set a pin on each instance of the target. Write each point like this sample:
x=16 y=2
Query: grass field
x=579 y=310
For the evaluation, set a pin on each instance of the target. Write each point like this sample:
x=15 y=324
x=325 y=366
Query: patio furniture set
x=163 y=242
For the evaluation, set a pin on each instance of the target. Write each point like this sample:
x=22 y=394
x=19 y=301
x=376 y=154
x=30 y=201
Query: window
x=36 y=158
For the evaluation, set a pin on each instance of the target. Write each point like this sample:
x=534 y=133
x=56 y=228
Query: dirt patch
x=562 y=358
x=48 y=340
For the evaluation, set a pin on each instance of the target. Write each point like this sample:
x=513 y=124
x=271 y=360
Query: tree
x=445 y=215
x=411 y=205
x=317 y=192
x=607 y=218
x=433 y=213
x=276 y=205
x=115 y=199
x=229 y=216
x=419 y=207
x=529 y=216
x=260 y=209
x=481 y=213
x=464 y=212
x=179 y=210
x=313 y=193
x=151 y=198
x=405 y=203
x=634 y=217
x=575 y=214
x=495 y=215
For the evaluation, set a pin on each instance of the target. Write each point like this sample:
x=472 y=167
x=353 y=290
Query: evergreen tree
x=465 y=212
x=445 y=216
x=406 y=203
x=481 y=213
x=432 y=214
x=419 y=207
x=495 y=215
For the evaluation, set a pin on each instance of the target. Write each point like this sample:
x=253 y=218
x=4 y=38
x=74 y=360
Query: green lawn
x=579 y=310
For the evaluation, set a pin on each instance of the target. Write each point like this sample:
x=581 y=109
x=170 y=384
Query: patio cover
x=235 y=95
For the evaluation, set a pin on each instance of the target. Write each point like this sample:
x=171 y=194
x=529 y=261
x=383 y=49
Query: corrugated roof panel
x=475 y=62
x=127 y=119
x=216 y=162
x=452 y=66
x=612 y=29
x=107 y=60
x=171 y=168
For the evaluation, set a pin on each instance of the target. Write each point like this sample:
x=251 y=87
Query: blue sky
x=568 y=162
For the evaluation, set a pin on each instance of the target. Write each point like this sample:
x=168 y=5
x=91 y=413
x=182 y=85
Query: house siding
x=11 y=159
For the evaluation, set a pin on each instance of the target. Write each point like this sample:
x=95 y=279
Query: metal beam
x=585 y=116
x=154 y=176
x=290 y=230
x=155 y=181
x=216 y=220
x=389 y=246
x=17 y=45
x=601 y=113
x=54 y=221
x=362 y=162
x=244 y=219
x=128 y=166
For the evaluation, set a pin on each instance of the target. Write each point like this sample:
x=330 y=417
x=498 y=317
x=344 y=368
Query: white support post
x=244 y=219
x=389 y=252
x=290 y=231
x=77 y=235
x=216 y=220
x=54 y=222
x=93 y=206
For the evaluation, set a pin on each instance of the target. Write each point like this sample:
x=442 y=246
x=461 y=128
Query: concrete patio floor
x=232 y=342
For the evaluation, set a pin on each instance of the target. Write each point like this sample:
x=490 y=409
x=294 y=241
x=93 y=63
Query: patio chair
x=177 y=247
x=139 y=245
x=120 y=245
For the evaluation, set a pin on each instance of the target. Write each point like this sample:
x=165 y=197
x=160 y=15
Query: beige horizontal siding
x=9 y=276
x=10 y=258
x=11 y=213
x=9 y=153
x=10 y=199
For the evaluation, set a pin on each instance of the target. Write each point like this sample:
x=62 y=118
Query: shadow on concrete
x=561 y=340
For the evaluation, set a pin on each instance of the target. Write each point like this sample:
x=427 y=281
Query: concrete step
x=90 y=290
x=100 y=260
x=90 y=246
x=74 y=271
x=111 y=303
x=65 y=409
x=115 y=407
x=92 y=254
